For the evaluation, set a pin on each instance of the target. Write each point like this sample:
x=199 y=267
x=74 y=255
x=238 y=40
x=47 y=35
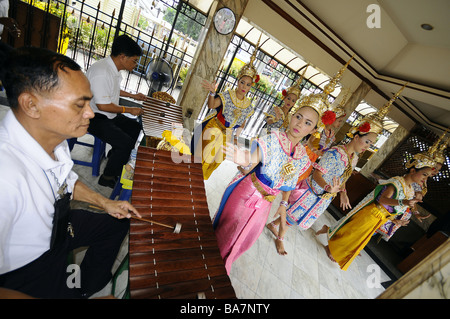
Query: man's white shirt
x=28 y=191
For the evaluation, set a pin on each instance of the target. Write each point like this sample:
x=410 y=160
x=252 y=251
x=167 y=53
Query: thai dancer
x=320 y=142
x=276 y=118
x=313 y=194
x=275 y=163
x=388 y=229
x=390 y=198
x=231 y=110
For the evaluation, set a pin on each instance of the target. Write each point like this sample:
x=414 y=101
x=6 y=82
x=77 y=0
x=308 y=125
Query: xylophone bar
x=164 y=264
x=155 y=105
x=189 y=290
x=159 y=116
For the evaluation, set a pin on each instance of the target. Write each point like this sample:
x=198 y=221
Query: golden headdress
x=437 y=150
x=249 y=69
x=421 y=160
x=339 y=109
x=430 y=157
x=319 y=102
x=439 y=156
x=296 y=87
x=373 y=122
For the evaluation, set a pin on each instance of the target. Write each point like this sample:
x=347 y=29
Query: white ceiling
x=327 y=32
x=399 y=51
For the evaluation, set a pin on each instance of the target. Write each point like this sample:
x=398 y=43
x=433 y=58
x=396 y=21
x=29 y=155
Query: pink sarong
x=242 y=220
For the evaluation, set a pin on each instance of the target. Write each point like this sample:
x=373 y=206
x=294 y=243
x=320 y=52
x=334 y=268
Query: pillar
x=356 y=98
x=427 y=280
x=396 y=138
x=206 y=62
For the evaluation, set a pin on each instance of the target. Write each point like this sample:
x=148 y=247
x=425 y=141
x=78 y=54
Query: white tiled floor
x=305 y=273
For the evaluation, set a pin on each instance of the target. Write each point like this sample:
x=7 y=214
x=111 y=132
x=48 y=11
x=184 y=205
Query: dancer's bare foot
x=271 y=226
x=280 y=246
x=323 y=230
x=327 y=250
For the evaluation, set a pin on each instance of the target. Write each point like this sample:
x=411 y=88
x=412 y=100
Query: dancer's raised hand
x=210 y=86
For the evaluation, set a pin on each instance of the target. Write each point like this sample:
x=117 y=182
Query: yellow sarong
x=214 y=139
x=356 y=233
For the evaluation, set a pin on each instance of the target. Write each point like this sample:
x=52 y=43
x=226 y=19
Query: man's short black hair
x=123 y=44
x=31 y=69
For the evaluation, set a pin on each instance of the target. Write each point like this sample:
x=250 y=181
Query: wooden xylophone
x=164 y=264
x=159 y=116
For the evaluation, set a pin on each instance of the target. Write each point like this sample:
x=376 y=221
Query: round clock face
x=224 y=20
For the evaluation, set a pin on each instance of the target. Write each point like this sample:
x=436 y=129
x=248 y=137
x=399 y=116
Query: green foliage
x=235 y=67
x=183 y=73
x=264 y=84
x=184 y=24
x=143 y=23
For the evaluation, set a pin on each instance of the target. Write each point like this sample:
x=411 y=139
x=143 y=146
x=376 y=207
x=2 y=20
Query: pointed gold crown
x=319 y=102
x=437 y=149
x=421 y=160
x=296 y=87
x=375 y=119
x=439 y=156
x=249 y=69
x=339 y=109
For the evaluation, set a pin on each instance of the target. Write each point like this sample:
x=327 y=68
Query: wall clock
x=224 y=20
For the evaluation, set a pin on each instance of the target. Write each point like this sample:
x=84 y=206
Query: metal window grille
x=87 y=32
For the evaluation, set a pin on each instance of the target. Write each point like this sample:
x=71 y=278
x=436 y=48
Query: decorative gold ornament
x=439 y=156
x=437 y=149
x=421 y=160
x=249 y=69
x=431 y=157
x=319 y=102
x=339 y=109
x=296 y=87
x=268 y=197
x=287 y=169
x=375 y=119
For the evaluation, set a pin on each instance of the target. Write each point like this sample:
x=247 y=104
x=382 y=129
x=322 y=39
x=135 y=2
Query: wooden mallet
x=176 y=229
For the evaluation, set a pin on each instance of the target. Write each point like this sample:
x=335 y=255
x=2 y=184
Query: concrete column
x=396 y=138
x=427 y=280
x=355 y=99
x=207 y=60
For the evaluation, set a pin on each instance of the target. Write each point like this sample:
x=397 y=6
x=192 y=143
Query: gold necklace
x=408 y=189
x=237 y=102
x=349 y=168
